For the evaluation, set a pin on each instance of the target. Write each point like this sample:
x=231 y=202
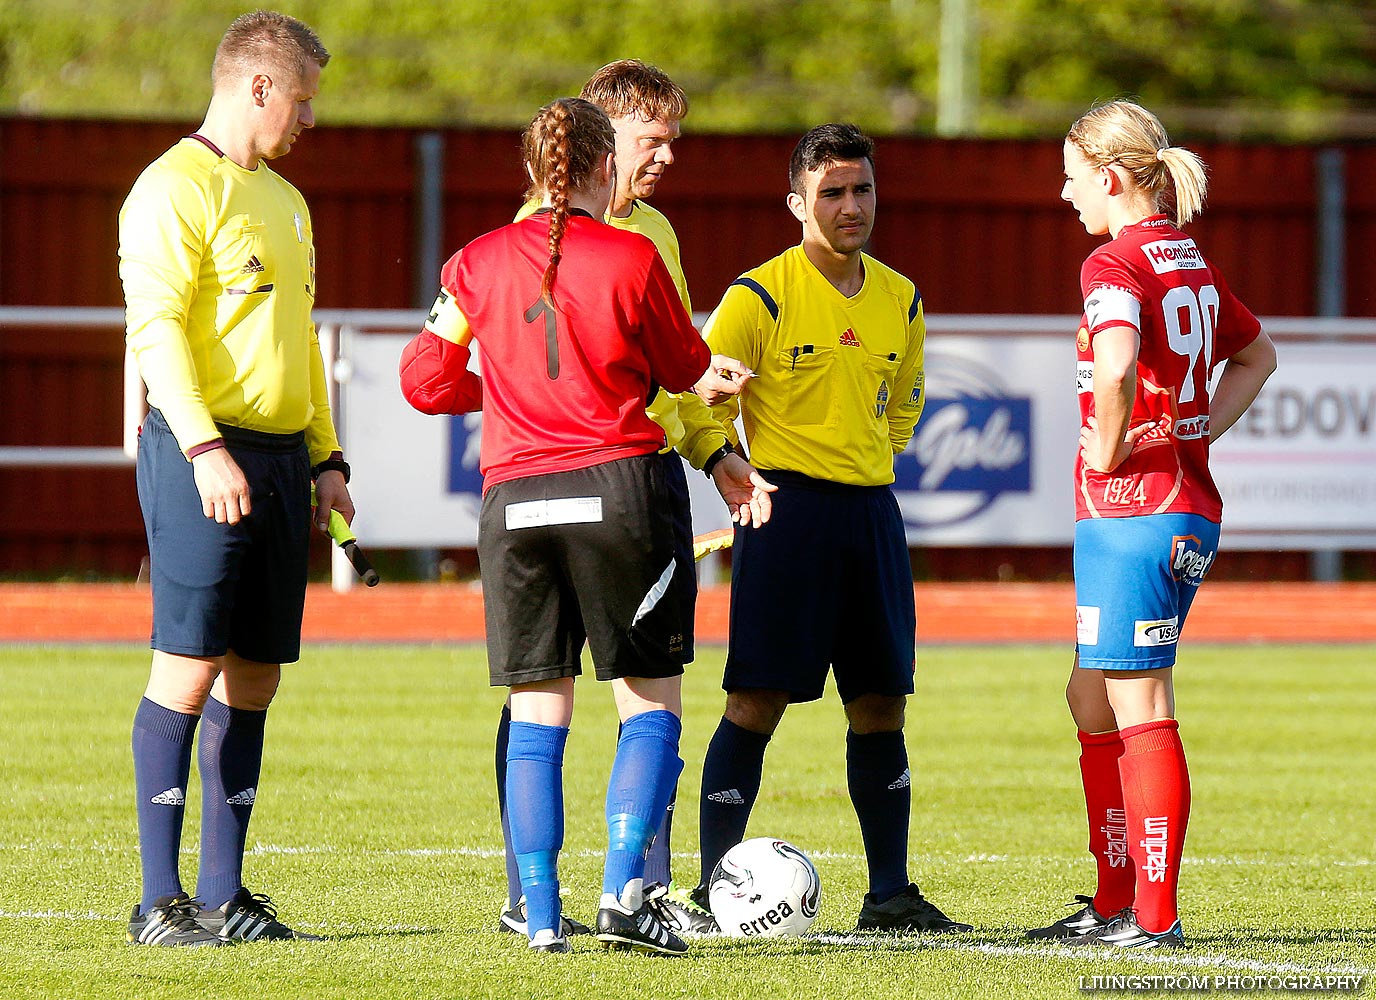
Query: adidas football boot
x=250 y=917
x=171 y=922
x=1085 y=920
x=679 y=911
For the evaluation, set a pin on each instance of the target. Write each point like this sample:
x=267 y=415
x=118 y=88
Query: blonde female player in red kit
x=1158 y=319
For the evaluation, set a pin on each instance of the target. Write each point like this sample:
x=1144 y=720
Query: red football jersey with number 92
x=1153 y=278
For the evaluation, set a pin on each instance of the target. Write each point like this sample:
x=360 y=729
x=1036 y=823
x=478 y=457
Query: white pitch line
x=1052 y=951
x=53 y=915
x=497 y=852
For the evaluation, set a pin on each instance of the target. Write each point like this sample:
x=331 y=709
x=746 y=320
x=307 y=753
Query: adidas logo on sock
x=730 y=797
x=171 y=797
x=244 y=798
x=904 y=780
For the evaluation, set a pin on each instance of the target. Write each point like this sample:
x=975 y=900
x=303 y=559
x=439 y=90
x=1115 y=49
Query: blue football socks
x=657 y=858
x=162 y=741
x=644 y=775
x=535 y=809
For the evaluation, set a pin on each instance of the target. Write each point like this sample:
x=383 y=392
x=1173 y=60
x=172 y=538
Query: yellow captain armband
x=447 y=322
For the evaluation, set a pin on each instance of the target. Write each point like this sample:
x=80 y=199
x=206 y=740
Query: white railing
x=341 y=330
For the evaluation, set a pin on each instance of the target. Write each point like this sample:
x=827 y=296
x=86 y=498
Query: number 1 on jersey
x=542 y=305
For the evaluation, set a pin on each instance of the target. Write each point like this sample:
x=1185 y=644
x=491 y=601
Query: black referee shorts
x=585 y=555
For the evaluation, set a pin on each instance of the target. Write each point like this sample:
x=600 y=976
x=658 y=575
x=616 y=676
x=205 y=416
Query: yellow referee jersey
x=218 y=268
x=840 y=382
x=689 y=426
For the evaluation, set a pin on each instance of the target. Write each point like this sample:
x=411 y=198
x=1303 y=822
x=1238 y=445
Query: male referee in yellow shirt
x=218 y=267
x=836 y=341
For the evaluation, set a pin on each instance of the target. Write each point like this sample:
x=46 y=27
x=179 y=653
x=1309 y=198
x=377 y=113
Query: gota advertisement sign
x=990 y=462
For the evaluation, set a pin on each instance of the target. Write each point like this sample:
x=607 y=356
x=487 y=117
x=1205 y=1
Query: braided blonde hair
x=1129 y=135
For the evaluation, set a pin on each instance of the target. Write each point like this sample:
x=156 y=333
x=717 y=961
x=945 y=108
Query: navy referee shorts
x=825 y=584
x=221 y=587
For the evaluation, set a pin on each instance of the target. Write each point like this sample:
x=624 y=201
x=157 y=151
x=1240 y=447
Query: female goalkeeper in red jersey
x=579 y=325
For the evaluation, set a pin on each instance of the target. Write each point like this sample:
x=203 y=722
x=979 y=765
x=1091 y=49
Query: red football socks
x=1156 y=796
x=1108 y=829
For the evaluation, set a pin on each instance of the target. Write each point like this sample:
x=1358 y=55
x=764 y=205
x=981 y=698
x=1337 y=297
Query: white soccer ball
x=764 y=887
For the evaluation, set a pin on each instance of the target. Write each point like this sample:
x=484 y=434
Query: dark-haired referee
x=836 y=341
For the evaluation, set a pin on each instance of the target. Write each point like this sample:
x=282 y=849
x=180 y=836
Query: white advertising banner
x=990 y=462
x=1299 y=469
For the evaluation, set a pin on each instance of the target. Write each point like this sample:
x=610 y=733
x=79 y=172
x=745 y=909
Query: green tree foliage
x=1299 y=69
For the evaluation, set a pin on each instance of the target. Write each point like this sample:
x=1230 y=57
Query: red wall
x=977 y=224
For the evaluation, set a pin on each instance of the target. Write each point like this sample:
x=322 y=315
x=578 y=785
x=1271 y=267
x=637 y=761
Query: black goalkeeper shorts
x=585 y=555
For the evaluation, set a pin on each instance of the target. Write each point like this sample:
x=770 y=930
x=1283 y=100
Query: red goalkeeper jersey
x=1153 y=278
x=564 y=387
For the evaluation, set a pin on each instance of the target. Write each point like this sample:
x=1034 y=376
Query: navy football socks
x=162 y=741
x=230 y=760
x=730 y=783
x=513 y=873
x=881 y=790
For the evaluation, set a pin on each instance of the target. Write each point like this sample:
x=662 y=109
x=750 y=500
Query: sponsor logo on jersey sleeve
x=1174 y=255
x=1084 y=376
x=916 y=397
x=1163 y=632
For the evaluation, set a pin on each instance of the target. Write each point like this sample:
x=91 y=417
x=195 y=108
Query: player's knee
x=756 y=710
x=873 y=713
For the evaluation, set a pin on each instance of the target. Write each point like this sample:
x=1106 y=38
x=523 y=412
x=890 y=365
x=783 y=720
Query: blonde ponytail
x=1127 y=134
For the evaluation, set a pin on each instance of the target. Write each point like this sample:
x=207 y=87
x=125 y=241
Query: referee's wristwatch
x=716 y=457
x=331 y=465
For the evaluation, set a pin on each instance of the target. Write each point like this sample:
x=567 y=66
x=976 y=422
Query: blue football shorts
x=1135 y=579
x=221 y=587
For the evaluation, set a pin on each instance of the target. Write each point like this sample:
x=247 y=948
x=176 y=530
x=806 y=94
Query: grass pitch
x=376 y=825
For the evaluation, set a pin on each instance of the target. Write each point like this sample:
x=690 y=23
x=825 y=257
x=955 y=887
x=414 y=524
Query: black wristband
x=716 y=457
x=331 y=465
